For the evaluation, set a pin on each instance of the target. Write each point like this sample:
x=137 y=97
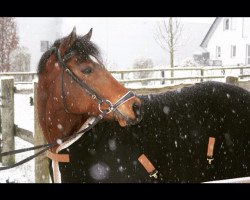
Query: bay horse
x=74 y=85
x=174 y=134
x=173 y=129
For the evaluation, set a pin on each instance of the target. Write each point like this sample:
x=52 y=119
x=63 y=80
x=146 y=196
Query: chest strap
x=210 y=149
x=148 y=166
x=58 y=157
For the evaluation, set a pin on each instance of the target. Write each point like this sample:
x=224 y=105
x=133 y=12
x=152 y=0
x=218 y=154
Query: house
x=36 y=34
x=228 y=41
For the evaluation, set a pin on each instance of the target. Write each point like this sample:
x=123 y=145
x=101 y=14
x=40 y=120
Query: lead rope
x=123 y=99
x=46 y=146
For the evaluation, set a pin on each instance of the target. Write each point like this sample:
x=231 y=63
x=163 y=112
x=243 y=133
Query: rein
x=99 y=99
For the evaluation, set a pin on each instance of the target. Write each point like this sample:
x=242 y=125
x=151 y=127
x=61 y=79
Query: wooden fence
x=201 y=77
x=9 y=130
x=123 y=75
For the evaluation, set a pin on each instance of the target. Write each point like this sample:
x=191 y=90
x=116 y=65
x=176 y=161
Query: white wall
x=32 y=30
x=226 y=38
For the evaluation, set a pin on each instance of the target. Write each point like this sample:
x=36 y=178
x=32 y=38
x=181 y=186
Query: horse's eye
x=87 y=70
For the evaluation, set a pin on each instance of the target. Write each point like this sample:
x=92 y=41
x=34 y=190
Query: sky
x=198 y=19
x=121 y=40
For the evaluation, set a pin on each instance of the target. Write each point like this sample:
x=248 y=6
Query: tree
x=168 y=37
x=143 y=63
x=8 y=41
x=20 y=60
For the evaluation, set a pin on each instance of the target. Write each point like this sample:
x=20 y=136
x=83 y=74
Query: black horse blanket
x=174 y=135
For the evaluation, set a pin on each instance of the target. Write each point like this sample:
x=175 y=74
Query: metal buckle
x=110 y=106
x=210 y=159
x=154 y=174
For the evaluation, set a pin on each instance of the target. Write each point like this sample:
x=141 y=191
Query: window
x=226 y=24
x=218 y=51
x=44 y=46
x=233 y=51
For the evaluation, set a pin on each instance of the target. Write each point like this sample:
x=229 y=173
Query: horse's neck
x=61 y=124
x=56 y=123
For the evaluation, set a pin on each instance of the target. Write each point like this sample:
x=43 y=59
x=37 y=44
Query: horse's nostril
x=137 y=109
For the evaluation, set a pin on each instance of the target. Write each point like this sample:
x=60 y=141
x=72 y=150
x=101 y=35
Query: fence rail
x=164 y=78
x=244 y=72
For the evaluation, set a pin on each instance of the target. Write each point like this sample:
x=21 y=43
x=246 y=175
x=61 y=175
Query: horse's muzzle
x=138 y=112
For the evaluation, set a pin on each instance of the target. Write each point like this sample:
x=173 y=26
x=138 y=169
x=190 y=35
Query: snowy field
x=24 y=118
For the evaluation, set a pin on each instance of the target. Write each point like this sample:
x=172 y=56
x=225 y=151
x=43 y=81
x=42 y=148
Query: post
x=41 y=162
x=0 y=129
x=202 y=74
x=8 y=139
x=122 y=75
x=232 y=80
x=241 y=72
x=163 y=76
x=0 y=132
x=172 y=75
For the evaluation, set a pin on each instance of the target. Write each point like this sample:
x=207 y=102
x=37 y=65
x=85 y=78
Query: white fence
x=158 y=76
x=162 y=76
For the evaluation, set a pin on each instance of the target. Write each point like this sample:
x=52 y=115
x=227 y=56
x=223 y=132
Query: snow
x=234 y=180
x=24 y=173
x=166 y=109
x=24 y=118
x=112 y=145
x=99 y=171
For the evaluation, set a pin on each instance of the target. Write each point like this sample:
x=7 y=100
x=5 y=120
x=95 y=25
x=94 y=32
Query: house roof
x=210 y=32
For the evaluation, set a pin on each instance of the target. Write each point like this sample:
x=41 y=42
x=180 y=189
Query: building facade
x=36 y=34
x=228 y=41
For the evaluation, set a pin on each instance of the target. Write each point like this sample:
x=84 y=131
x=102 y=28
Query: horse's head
x=77 y=76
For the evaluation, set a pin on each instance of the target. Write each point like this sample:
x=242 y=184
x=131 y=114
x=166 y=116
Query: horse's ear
x=88 y=35
x=69 y=40
x=72 y=37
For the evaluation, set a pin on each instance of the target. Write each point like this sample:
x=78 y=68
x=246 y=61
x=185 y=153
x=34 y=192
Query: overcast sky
x=122 y=40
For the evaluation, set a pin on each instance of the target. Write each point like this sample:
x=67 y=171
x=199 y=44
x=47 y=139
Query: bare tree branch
x=168 y=34
x=8 y=41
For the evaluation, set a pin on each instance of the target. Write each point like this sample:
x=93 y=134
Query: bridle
x=95 y=96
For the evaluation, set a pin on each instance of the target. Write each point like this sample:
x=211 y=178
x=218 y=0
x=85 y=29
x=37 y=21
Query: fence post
x=241 y=72
x=163 y=76
x=8 y=139
x=202 y=74
x=0 y=132
x=232 y=80
x=122 y=75
x=41 y=162
x=172 y=75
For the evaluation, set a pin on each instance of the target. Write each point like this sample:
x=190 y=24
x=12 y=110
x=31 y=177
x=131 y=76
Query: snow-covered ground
x=24 y=118
x=24 y=173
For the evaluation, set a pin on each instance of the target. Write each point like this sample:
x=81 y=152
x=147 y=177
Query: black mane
x=84 y=48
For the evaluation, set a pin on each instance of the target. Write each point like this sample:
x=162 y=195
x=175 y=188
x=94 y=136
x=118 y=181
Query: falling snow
x=112 y=145
x=59 y=141
x=99 y=171
x=121 y=168
x=166 y=110
x=59 y=126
